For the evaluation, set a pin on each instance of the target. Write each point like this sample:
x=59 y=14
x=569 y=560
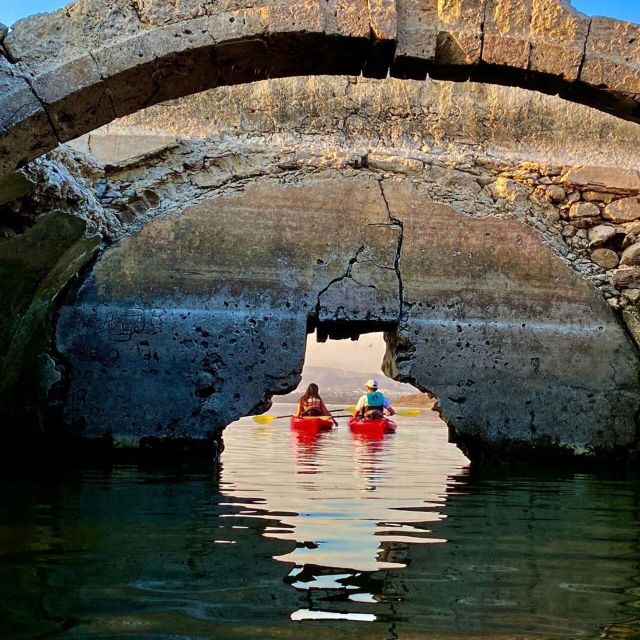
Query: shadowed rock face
x=70 y=72
x=196 y=318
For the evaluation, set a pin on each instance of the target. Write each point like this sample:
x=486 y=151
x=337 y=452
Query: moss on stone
x=15 y=185
x=34 y=269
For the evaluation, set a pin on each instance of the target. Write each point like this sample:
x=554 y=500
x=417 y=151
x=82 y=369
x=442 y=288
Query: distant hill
x=338 y=385
x=417 y=400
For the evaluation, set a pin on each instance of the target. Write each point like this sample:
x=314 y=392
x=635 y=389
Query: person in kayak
x=373 y=403
x=311 y=404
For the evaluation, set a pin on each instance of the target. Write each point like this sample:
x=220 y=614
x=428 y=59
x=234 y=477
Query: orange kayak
x=380 y=425
x=317 y=423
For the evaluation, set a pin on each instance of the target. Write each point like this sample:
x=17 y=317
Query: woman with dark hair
x=311 y=404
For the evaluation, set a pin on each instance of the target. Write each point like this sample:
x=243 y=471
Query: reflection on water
x=345 y=500
x=328 y=534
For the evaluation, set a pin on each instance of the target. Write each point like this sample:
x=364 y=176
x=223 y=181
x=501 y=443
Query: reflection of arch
x=84 y=66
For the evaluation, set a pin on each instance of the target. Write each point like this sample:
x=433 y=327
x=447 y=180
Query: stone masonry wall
x=67 y=73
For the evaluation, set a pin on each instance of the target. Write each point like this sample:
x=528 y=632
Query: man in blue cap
x=373 y=403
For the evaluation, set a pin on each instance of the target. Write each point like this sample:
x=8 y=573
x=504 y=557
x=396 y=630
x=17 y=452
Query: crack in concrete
x=584 y=50
x=347 y=274
x=484 y=20
x=397 y=262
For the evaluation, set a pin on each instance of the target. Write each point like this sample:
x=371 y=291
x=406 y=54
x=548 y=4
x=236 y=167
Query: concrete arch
x=210 y=320
x=70 y=72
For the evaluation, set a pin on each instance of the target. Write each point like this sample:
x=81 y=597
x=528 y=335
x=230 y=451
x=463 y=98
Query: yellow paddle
x=406 y=413
x=267 y=419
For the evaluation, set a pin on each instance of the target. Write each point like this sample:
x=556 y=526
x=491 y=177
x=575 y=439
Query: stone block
x=626 y=278
x=581 y=210
x=558 y=35
x=346 y=18
x=555 y=193
x=632 y=232
x=601 y=234
x=383 y=19
x=45 y=42
x=510 y=190
x=417 y=30
x=605 y=258
x=25 y=132
x=76 y=98
x=157 y=65
x=598 y=196
x=603 y=179
x=625 y=210
x=459 y=39
x=632 y=295
x=612 y=56
x=631 y=256
x=506 y=33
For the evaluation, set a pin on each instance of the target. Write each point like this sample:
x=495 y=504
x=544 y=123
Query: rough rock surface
x=72 y=71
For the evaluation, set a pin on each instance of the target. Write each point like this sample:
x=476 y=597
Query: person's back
x=373 y=403
x=311 y=404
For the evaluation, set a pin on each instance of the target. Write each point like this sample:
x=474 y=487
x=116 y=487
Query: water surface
x=331 y=535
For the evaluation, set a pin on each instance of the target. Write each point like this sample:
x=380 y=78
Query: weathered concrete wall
x=70 y=72
x=205 y=305
x=208 y=309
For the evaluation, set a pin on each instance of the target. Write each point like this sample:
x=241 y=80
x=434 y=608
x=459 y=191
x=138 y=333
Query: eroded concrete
x=201 y=315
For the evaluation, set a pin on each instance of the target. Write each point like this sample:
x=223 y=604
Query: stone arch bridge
x=68 y=73
x=157 y=311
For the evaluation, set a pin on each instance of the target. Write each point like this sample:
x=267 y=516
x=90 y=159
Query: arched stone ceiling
x=70 y=72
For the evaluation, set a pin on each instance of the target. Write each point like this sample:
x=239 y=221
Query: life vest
x=374 y=401
x=311 y=407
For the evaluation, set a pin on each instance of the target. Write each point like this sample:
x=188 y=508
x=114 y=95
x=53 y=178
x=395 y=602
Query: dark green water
x=328 y=537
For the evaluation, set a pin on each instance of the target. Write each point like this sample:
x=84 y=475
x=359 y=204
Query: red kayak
x=316 y=423
x=379 y=425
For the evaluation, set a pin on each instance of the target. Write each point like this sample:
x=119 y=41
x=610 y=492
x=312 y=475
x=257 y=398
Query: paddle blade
x=264 y=419
x=408 y=413
x=351 y=408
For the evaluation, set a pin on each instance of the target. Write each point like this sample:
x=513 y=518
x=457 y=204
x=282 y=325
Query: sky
x=365 y=355
x=12 y=10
